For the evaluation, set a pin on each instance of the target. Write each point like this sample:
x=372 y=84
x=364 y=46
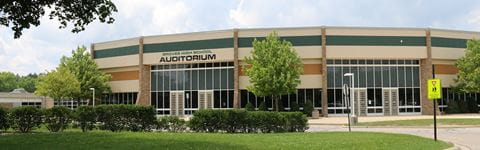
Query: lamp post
x=93 y=96
x=352 y=92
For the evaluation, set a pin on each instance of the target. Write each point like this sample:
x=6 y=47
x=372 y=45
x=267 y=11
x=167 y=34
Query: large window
x=190 y=78
x=449 y=95
x=120 y=98
x=374 y=75
x=300 y=97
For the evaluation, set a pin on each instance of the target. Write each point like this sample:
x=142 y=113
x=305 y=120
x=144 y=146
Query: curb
x=458 y=147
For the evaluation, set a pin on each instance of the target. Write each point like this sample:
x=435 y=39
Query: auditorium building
x=178 y=74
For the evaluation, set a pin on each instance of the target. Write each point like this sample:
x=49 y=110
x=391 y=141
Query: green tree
x=86 y=71
x=274 y=68
x=21 y=14
x=28 y=82
x=469 y=68
x=8 y=81
x=58 y=84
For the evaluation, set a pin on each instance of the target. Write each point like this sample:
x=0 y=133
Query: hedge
x=25 y=118
x=171 y=124
x=4 y=123
x=125 y=117
x=242 y=121
x=57 y=118
x=86 y=117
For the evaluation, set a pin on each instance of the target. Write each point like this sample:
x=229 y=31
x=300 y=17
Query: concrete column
x=236 y=86
x=324 y=74
x=47 y=103
x=425 y=74
x=92 y=51
x=143 y=97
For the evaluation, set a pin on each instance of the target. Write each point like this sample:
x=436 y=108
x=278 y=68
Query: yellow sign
x=434 y=89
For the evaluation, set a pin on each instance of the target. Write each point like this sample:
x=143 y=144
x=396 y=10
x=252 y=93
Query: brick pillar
x=324 y=74
x=236 y=86
x=425 y=74
x=143 y=97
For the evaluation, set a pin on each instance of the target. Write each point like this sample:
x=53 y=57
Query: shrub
x=86 y=117
x=4 y=123
x=25 y=118
x=263 y=107
x=295 y=121
x=247 y=121
x=109 y=117
x=265 y=122
x=295 y=107
x=144 y=120
x=172 y=124
x=249 y=107
x=207 y=120
x=472 y=106
x=57 y=118
x=308 y=108
x=125 y=117
x=236 y=120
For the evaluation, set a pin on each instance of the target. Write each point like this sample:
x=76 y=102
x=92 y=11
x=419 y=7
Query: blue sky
x=40 y=48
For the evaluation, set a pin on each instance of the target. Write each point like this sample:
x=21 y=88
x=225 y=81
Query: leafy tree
x=8 y=81
x=28 y=82
x=21 y=14
x=469 y=68
x=86 y=71
x=58 y=84
x=275 y=68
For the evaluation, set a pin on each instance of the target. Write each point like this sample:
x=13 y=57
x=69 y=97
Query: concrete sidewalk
x=343 y=119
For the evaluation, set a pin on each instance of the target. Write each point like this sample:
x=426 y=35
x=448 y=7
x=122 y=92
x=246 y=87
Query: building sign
x=434 y=89
x=182 y=56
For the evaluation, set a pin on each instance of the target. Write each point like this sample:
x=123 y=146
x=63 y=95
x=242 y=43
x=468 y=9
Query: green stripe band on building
x=119 y=51
x=376 y=40
x=314 y=40
x=449 y=42
x=189 y=45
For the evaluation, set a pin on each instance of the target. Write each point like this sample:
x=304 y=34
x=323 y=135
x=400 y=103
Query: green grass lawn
x=73 y=139
x=422 y=122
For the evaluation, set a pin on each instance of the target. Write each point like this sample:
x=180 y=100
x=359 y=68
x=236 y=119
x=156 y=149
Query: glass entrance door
x=177 y=99
x=390 y=101
x=374 y=101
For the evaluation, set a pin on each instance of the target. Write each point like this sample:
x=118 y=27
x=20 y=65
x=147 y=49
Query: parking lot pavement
x=465 y=138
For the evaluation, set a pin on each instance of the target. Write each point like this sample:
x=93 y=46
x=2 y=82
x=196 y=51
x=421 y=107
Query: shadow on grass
x=108 y=140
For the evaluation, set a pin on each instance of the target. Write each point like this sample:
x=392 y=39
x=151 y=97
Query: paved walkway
x=464 y=138
x=343 y=120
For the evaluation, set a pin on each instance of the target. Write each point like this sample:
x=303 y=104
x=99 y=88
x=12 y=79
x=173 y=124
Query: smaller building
x=20 y=97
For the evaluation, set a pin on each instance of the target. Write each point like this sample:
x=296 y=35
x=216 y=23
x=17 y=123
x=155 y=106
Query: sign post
x=434 y=93
x=346 y=99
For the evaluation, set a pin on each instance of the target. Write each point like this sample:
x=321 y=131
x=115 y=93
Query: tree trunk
x=276 y=102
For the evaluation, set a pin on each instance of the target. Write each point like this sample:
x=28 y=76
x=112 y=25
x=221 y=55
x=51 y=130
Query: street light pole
x=93 y=96
x=352 y=94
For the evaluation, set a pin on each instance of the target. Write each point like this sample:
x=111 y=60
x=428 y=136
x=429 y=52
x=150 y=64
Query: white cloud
x=40 y=48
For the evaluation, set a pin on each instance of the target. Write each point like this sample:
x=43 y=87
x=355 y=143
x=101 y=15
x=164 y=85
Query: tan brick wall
x=125 y=75
x=445 y=69
x=6 y=105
